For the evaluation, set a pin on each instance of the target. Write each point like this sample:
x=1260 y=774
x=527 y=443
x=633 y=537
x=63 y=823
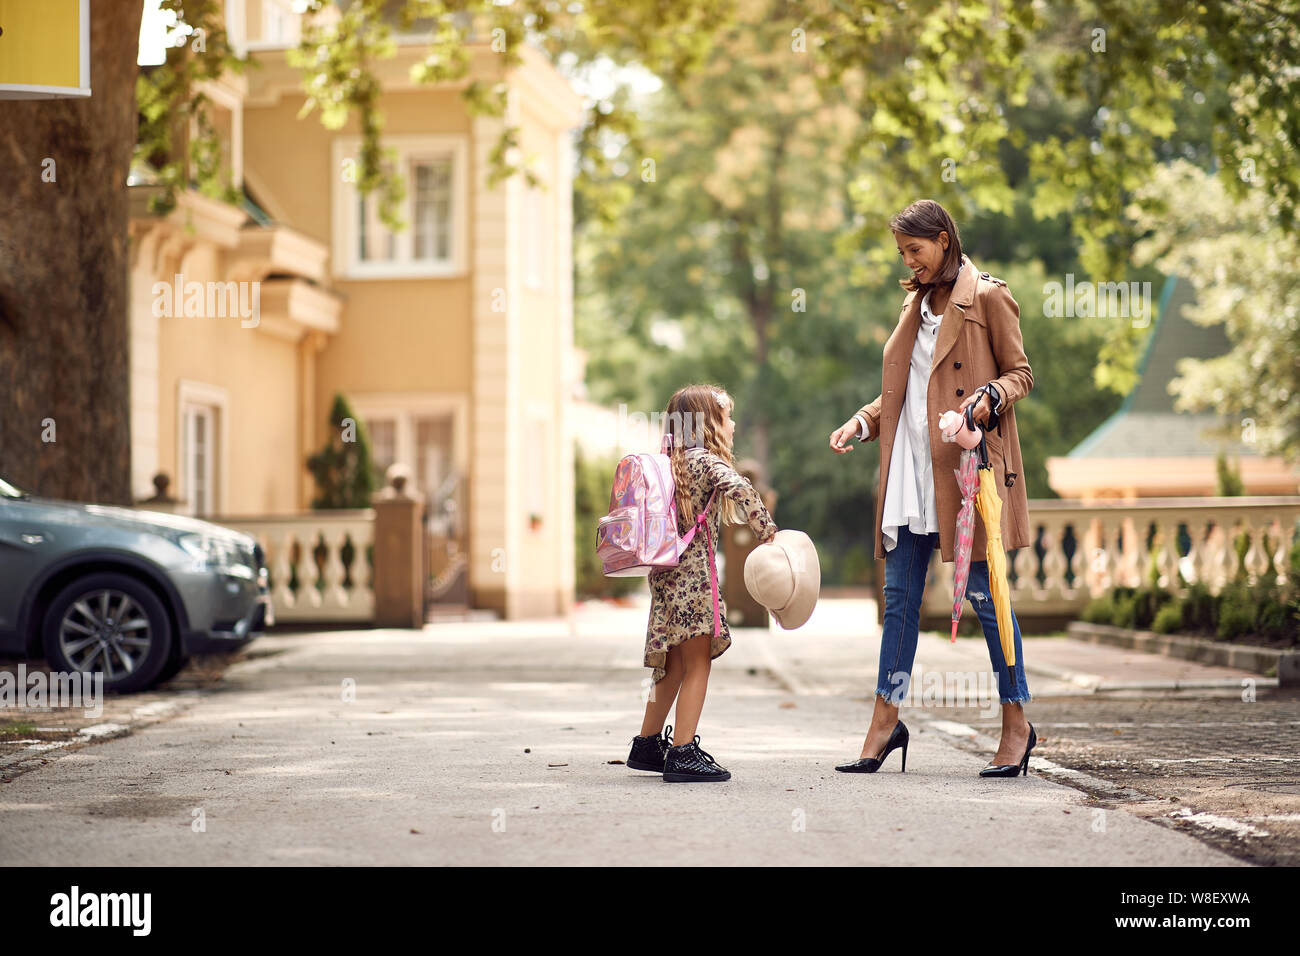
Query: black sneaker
x=689 y=764
x=649 y=753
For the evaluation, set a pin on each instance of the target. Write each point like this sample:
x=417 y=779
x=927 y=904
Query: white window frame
x=346 y=222
x=238 y=26
x=277 y=17
x=200 y=393
x=404 y=408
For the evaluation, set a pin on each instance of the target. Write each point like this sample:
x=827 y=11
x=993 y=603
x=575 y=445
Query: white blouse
x=909 y=495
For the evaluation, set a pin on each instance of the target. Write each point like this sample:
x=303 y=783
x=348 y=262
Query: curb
x=1284 y=664
x=967 y=738
x=38 y=753
x=1092 y=684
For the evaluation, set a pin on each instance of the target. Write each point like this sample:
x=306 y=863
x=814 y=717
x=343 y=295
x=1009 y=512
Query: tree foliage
x=169 y=97
x=344 y=470
x=1245 y=270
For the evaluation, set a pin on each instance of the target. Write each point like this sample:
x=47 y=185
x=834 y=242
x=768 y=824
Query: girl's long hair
x=925 y=219
x=695 y=419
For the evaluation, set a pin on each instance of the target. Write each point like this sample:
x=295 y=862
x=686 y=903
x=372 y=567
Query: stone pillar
x=399 y=554
x=737 y=542
x=161 y=500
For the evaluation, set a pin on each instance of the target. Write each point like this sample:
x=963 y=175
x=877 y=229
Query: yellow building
x=451 y=339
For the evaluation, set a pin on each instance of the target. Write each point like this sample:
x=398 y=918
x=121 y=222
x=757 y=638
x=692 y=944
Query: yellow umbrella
x=989 y=506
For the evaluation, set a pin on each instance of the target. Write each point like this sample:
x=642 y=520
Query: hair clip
x=721 y=398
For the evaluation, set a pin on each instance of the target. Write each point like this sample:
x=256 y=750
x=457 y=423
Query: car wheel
x=109 y=623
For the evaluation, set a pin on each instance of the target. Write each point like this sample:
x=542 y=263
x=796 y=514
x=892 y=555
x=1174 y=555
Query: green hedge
x=1239 y=610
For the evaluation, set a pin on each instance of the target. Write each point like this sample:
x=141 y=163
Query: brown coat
x=978 y=342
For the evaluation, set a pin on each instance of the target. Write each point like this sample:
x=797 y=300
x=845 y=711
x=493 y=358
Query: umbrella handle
x=975 y=426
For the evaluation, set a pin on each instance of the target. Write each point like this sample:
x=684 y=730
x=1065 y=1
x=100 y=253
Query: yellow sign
x=44 y=49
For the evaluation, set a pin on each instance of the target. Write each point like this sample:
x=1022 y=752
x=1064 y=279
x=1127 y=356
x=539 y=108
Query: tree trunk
x=65 y=417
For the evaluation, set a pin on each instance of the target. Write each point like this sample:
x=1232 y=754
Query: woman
x=957 y=343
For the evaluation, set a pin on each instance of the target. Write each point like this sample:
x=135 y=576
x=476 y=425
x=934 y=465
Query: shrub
x=1236 y=613
x=1228 y=481
x=1272 y=619
x=1099 y=610
x=343 y=469
x=1200 y=608
x=1147 y=603
x=1169 y=618
x=1125 y=613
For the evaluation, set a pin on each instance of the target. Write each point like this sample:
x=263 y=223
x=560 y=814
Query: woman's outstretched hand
x=842 y=438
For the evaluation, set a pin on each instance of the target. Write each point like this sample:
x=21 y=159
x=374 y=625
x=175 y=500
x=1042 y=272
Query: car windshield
x=9 y=491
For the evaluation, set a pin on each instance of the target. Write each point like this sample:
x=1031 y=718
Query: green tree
x=1062 y=110
x=935 y=85
x=697 y=279
x=1113 y=83
x=343 y=469
x=1227 y=480
x=729 y=232
x=170 y=100
x=1246 y=274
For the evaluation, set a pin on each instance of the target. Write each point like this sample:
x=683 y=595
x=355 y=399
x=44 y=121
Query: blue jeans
x=905 y=574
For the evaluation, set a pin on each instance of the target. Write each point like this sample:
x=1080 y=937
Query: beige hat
x=785 y=577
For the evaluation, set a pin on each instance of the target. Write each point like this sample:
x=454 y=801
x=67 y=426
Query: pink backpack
x=640 y=532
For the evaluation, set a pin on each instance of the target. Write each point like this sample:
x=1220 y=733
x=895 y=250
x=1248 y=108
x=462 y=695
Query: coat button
x=956 y=364
x=961 y=391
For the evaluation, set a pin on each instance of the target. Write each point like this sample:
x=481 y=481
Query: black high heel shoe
x=898 y=738
x=1013 y=769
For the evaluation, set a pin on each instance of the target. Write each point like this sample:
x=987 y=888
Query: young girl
x=679 y=642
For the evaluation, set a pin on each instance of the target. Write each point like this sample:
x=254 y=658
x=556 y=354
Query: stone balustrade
x=1083 y=549
x=319 y=563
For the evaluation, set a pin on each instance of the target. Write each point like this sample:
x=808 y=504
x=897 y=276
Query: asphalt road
x=499 y=743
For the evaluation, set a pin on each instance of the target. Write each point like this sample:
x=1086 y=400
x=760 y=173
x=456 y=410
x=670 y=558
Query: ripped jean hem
x=889 y=697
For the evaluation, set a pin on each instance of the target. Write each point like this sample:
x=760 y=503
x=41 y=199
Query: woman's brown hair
x=697 y=419
x=925 y=219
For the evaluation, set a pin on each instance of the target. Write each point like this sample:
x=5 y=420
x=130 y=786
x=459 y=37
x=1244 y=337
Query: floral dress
x=681 y=603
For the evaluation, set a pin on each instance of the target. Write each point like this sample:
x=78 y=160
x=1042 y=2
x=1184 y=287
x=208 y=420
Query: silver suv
x=130 y=594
